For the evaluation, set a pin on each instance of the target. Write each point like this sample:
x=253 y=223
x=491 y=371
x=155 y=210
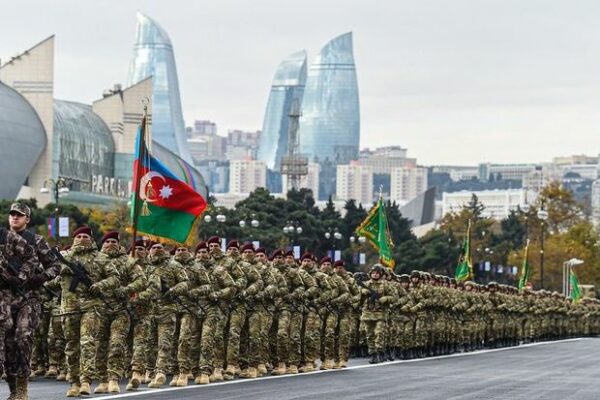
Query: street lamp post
x=220 y=218
x=254 y=223
x=57 y=187
x=293 y=229
x=543 y=216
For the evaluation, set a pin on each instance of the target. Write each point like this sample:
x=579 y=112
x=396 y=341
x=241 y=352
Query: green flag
x=464 y=267
x=375 y=229
x=575 y=291
x=525 y=270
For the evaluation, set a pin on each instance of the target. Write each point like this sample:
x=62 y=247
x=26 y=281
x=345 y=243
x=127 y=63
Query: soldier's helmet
x=415 y=274
x=492 y=284
x=453 y=281
x=403 y=278
x=377 y=268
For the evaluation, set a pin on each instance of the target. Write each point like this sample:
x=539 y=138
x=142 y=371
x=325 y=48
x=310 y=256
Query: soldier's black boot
x=374 y=358
x=390 y=355
x=382 y=356
x=12 y=386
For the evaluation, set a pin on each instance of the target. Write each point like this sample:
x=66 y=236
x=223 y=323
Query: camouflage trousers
x=250 y=339
x=328 y=325
x=166 y=326
x=312 y=327
x=289 y=325
x=151 y=343
x=111 y=346
x=375 y=331
x=237 y=318
x=19 y=339
x=81 y=331
x=343 y=333
x=208 y=329
x=39 y=354
x=264 y=348
x=220 y=337
x=6 y=324
x=404 y=332
x=56 y=342
x=188 y=346
x=139 y=343
x=420 y=331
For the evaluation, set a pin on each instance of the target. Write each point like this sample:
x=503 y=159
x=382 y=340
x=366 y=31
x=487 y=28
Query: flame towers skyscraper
x=330 y=123
x=153 y=56
x=287 y=89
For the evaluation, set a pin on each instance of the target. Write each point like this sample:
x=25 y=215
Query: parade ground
x=548 y=370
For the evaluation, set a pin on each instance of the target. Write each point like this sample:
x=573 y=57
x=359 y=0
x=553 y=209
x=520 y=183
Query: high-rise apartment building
x=406 y=183
x=355 y=181
x=245 y=176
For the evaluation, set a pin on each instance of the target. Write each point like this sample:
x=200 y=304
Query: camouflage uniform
x=339 y=297
x=345 y=320
x=378 y=295
x=317 y=299
x=83 y=310
x=249 y=339
x=165 y=274
x=111 y=348
x=289 y=318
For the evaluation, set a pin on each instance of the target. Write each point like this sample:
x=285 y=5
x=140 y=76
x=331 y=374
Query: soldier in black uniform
x=35 y=265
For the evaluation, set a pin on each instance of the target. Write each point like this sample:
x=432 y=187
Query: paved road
x=560 y=370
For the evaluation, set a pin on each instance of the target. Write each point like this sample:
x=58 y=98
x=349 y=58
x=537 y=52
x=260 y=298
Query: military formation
x=160 y=315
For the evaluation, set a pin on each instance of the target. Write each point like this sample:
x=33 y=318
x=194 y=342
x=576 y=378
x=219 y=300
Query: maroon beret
x=172 y=251
x=261 y=250
x=201 y=246
x=83 y=229
x=290 y=253
x=110 y=235
x=247 y=246
x=214 y=239
x=325 y=259
x=150 y=243
x=306 y=256
x=139 y=243
x=340 y=263
x=277 y=253
x=233 y=243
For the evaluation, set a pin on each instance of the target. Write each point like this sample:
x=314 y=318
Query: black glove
x=12 y=281
x=36 y=281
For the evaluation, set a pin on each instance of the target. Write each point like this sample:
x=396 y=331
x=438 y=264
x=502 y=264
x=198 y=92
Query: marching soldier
x=167 y=282
x=83 y=306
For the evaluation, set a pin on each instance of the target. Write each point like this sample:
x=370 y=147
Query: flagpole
x=141 y=155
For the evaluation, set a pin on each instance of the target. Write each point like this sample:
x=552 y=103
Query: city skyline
x=456 y=84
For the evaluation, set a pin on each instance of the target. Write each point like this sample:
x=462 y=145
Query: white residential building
x=407 y=183
x=596 y=203
x=498 y=203
x=355 y=181
x=245 y=176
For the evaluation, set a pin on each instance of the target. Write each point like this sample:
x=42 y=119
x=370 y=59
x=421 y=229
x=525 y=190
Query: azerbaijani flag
x=375 y=229
x=525 y=269
x=464 y=267
x=166 y=208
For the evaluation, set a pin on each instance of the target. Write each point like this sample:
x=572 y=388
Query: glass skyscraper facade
x=287 y=89
x=153 y=56
x=330 y=123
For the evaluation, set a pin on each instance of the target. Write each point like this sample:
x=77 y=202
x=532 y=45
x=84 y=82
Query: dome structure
x=23 y=137
x=83 y=144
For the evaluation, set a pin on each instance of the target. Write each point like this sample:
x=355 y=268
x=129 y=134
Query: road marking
x=355 y=367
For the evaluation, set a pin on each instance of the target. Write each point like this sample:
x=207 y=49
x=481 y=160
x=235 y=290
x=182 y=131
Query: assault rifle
x=164 y=288
x=14 y=268
x=80 y=276
x=373 y=295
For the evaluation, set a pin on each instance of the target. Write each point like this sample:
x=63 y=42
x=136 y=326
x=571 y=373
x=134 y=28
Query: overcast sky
x=455 y=82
